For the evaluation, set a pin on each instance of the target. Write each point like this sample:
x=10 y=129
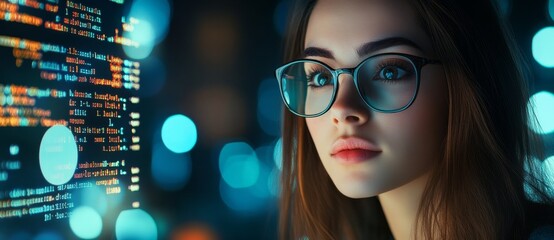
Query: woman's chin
x=357 y=190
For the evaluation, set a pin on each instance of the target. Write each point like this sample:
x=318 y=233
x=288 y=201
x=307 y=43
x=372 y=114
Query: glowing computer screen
x=70 y=118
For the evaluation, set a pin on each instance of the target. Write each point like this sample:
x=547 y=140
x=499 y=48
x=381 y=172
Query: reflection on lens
x=308 y=87
x=387 y=83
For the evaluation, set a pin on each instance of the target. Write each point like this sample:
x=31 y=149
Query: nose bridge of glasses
x=353 y=84
x=338 y=72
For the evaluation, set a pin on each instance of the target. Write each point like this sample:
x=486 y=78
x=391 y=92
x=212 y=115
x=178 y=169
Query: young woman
x=407 y=120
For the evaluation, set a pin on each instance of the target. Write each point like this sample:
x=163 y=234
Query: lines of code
x=63 y=64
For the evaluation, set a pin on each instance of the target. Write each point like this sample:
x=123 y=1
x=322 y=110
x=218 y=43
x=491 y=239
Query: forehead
x=342 y=26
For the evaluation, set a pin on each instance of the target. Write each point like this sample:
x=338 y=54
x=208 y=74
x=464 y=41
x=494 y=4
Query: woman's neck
x=400 y=206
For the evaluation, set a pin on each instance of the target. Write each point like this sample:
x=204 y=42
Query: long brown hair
x=480 y=188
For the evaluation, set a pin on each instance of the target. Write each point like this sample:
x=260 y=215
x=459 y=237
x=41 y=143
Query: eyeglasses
x=386 y=82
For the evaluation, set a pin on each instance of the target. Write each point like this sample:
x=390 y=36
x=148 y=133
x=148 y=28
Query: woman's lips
x=353 y=150
x=355 y=155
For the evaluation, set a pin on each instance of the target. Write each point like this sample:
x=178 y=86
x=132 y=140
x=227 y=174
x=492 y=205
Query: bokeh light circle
x=157 y=13
x=260 y=188
x=94 y=197
x=85 y=222
x=150 y=26
x=246 y=177
x=542 y=47
x=242 y=200
x=194 y=231
x=179 y=133
x=239 y=165
x=543 y=105
x=143 y=34
x=135 y=224
x=58 y=155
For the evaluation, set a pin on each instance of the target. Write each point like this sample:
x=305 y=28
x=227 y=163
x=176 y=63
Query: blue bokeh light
x=85 y=222
x=242 y=200
x=269 y=107
x=260 y=188
x=240 y=171
x=548 y=167
x=179 y=133
x=156 y=12
x=135 y=224
x=278 y=154
x=265 y=153
x=58 y=155
x=143 y=34
x=273 y=182
x=268 y=182
x=170 y=170
x=243 y=189
x=239 y=165
x=152 y=22
x=543 y=103
x=96 y=198
x=542 y=47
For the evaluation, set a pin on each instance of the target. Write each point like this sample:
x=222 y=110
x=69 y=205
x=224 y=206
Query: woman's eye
x=391 y=73
x=319 y=79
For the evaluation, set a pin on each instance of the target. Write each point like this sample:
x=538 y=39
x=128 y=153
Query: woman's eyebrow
x=318 y=52
x=365 y=49
x=370 y=47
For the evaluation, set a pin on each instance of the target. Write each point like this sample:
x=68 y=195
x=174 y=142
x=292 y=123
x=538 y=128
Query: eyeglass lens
x=386 y=83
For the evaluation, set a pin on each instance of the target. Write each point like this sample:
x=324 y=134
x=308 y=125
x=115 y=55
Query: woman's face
x=402 y=146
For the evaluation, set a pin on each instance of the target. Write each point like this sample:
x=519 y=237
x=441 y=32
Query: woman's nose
x=348 y=107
